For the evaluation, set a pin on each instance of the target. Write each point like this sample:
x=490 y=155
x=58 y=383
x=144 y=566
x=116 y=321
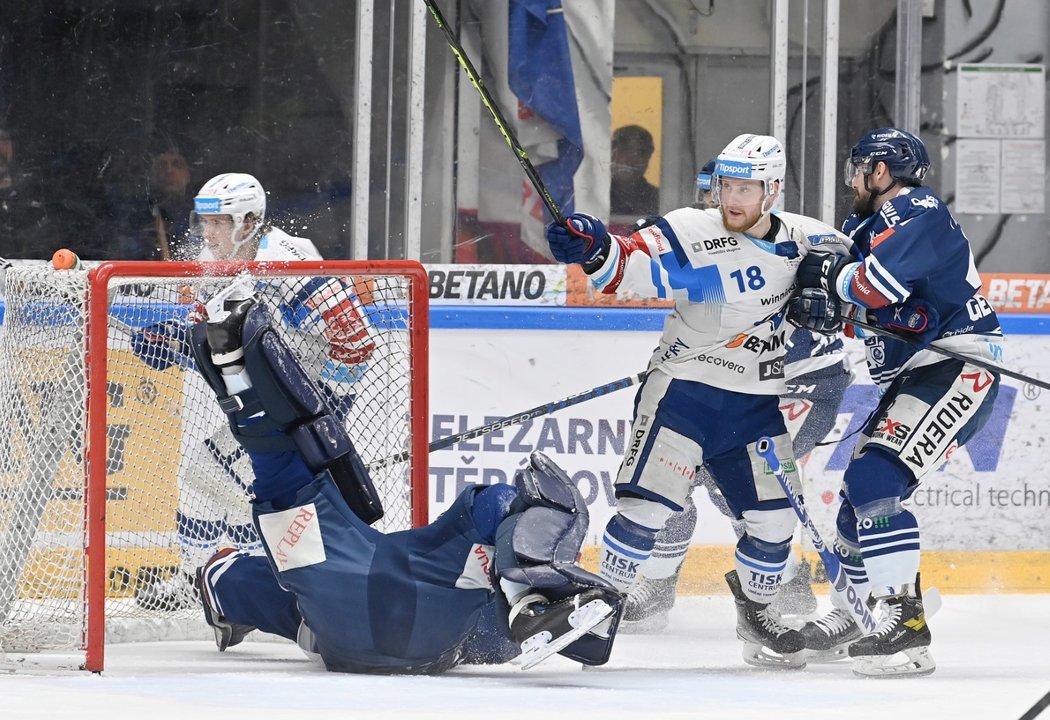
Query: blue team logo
x=205 y=206
x=732 y=168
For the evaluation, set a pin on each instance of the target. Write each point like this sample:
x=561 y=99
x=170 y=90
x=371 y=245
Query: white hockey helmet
x=751 y=157
x=235 y=194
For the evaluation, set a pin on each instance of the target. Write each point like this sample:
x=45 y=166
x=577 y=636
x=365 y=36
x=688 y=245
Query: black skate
x=767 y=641
x=900 y=644
x=796 y=595
x=543 y=628
x=648 y=604
x=227 y=634
x=828 y=637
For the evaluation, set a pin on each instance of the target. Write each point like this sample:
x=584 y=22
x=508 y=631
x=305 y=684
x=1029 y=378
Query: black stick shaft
x=951 y=354
x=517 y=418
x=490 y=103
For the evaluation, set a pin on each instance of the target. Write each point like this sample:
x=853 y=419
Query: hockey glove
x=581 y=239
x=820 y=269
x=163 y=344
x=333 y=308
x=815 y=309
x=917 y=324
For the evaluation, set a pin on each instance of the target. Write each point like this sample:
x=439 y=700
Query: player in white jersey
x=715 y=379
x=817 y=373
x=214 y=477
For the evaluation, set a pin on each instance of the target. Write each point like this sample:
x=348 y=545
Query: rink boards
x=982 y=514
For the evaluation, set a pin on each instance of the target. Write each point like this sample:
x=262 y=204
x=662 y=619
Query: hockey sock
x=889 y=544
x=672 y=544
x=760 y=567
x=625 y=546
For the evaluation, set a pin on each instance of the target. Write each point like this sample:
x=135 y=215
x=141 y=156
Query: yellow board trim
x=951 y=571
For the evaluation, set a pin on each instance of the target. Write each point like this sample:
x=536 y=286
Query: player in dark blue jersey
x=911 y=271
x=496 y=571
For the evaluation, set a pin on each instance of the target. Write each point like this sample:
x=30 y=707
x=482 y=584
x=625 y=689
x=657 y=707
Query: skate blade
x=827 y=657
x=913 y=662
x=541 y=646
x=758 y=655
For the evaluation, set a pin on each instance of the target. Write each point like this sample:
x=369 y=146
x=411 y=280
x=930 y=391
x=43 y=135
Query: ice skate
x=767 y=641
x=648 y=604
x=176 y=591
x=900 y=644
x=796 y=595
x=828 y=637
x=543 y=628
x=227 y=634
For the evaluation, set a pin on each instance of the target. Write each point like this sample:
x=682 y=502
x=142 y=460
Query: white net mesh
x=177 y=484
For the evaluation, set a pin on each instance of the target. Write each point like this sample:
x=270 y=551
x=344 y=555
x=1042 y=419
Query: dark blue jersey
x=916 y=274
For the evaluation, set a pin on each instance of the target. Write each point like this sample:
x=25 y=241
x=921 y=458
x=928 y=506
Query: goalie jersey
x=727 y=328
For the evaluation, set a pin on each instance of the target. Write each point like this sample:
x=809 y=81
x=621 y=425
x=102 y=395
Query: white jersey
x=276 y=244
x=726 y=329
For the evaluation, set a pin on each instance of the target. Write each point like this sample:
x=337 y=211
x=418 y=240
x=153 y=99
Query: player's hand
x=163 y=344
x=820 y=269
x=579 y=240
x=920 y=323
x=816 y=309
x=349 y=340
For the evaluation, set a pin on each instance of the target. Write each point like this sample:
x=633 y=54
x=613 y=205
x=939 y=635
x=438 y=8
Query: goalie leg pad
x=547 y=521
x=294 y=415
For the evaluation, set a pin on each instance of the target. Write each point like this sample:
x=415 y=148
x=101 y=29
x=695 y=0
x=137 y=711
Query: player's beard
x=741 y=223
x=863 y=204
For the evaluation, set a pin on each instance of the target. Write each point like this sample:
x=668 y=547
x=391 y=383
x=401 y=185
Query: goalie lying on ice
x=495 y=572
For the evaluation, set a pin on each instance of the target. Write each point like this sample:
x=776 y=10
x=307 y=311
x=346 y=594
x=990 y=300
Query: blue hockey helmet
x=904 y=154
x=703 y=183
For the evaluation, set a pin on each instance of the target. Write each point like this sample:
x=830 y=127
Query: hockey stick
x=949 y=353
x=840 y=582
x=1036 y=710
x=516 y=418
x=490 y=103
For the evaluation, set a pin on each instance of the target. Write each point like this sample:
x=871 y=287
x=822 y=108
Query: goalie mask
x=234 y=195
x=751 y=157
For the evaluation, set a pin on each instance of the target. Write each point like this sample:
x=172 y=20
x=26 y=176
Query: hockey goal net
x=118 y=474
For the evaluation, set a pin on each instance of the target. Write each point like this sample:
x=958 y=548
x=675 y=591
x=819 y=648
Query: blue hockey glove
x=163 y=344
x=918 y=323
x=580 y=240
x=816 y=309
x=820 y=269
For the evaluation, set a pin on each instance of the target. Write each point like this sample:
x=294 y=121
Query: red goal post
x=117 y=473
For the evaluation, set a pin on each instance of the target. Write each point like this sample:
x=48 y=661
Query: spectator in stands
x=159 y=228
x=629 y=192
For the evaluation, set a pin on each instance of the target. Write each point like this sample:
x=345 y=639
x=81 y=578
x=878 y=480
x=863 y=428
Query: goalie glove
x=163 y=344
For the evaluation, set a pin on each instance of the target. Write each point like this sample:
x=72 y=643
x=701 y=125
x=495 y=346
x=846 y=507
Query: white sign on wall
x=993 y=495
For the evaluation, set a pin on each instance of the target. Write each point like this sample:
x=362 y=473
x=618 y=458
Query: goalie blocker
x=296 y=416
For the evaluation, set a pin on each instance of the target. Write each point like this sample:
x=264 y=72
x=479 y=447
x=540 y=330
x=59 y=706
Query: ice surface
x=991 y=652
